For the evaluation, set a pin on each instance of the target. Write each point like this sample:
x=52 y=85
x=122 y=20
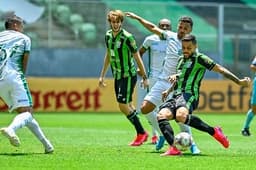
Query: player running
x=14 y=53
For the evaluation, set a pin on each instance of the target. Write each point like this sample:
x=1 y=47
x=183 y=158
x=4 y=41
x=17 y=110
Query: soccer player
x=186 y=85
x=14 y=53
x=120 y=54
x=156 y=47
x=252 y=111
x=173 y=50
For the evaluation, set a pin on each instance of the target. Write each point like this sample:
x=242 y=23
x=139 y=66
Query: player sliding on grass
x=190 y=72
x=120 y=54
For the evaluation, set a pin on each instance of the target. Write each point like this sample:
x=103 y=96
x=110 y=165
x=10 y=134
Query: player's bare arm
x=142 y=69
x=142 y=50
x=167 y=92
x=148 y=25
x=226 y=73
x=25 y=61
x=104 y=70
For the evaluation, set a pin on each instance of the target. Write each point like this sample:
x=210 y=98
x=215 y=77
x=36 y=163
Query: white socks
x=26 y=119
x=20 y=121
x=186 y=128
x=151 y=117
x=36 y=130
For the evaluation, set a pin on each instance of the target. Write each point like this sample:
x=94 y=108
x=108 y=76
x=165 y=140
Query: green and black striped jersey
x=191 y=72
x=121 y=49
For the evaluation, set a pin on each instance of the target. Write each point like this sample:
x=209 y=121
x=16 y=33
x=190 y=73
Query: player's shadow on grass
x=21 y=154
x=183 y=154
x=190 y=154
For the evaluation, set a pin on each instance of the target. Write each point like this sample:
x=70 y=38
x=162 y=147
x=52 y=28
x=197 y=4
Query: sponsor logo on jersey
x=22 y=100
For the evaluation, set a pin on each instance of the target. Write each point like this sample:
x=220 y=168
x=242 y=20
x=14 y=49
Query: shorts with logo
x=124 y=89
x=14 y=91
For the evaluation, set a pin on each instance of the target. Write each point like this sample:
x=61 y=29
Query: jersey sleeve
x=132 y=44
x=165 y=35
x=179 y=65
x=106 y=40
x=27 y=44
x=206 y=62
x=146 y=43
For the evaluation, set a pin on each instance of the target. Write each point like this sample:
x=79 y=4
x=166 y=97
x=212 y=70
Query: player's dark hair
x=11 y=19
x=186 y=19
x=189 y=37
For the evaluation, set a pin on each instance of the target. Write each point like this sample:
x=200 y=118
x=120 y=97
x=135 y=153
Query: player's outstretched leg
x=216 y=132
x=220 y=137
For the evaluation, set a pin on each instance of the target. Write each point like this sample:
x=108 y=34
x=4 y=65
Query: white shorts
x=141 y=93
x=155 y=93
x=14 y=91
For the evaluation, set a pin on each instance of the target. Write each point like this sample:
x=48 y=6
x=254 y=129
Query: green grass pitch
x=100 y=141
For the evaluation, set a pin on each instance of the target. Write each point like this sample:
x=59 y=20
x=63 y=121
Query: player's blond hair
x=117 y=15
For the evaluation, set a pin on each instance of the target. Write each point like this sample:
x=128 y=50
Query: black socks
x=136 y=122
x=167 y=130
x=197 y=123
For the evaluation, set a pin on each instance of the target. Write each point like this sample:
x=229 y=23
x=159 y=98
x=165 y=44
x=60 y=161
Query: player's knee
x=24 y=109
x=181 y=114
x=147 y=107
x=164 y=114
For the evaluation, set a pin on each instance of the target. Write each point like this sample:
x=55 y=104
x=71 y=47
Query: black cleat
x=246 y=132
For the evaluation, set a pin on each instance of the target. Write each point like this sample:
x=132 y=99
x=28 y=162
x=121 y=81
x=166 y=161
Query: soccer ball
x=183 y=141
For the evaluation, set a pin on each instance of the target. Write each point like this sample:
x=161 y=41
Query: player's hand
x=144 y=83
x=164 y=95
x=172 y=78
x=131 y=15
x=101 y=82
x=245 y=81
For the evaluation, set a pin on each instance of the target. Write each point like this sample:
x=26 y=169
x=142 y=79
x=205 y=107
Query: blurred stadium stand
x=80 y=26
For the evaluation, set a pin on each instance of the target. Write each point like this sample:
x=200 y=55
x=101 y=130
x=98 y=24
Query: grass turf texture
x=100 y=141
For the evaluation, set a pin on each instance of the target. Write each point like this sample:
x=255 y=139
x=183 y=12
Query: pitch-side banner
x=84 y=95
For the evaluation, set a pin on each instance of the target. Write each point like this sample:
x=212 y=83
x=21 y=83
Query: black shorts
x=124 y=89
x=182 y=100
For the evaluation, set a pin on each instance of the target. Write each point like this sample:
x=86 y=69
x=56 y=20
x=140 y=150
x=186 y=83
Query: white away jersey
x=13 y=45
x=173 y=51
x=157 y=49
